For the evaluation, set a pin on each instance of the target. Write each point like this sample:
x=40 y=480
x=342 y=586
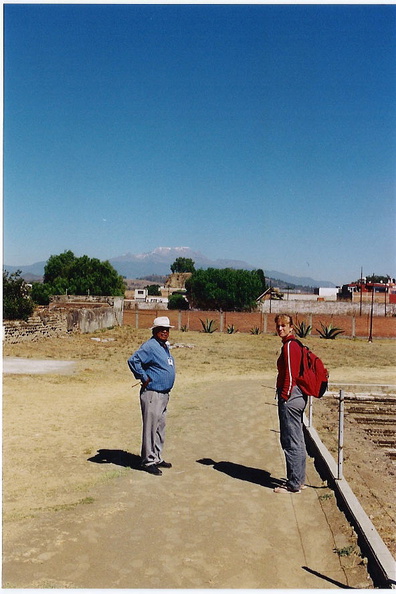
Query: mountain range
x=158 y=262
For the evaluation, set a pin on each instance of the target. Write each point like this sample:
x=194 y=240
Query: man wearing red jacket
x=291 y=405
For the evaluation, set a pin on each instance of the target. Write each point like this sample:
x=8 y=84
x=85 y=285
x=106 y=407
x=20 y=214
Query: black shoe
x=152 y=469
x=164 y=464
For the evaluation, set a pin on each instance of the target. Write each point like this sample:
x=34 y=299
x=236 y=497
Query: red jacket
x=288 y=364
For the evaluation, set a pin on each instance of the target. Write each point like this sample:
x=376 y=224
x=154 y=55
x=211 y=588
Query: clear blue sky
x=265 y=133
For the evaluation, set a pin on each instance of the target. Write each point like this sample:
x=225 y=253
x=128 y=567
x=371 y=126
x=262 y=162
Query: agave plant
x=302 y=329
x=208 y=326
x=255 y=330
x=329 y=332
x=231 y=329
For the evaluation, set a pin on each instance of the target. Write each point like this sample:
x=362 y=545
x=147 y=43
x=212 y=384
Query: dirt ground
x=70 y=440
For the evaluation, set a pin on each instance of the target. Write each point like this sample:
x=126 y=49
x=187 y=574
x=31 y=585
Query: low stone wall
x=42 y=324
x=132 y=304
x=69 y=313
x=85 y=301
x=86 y=320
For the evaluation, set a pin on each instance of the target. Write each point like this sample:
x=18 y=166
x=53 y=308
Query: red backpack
x=313 y=377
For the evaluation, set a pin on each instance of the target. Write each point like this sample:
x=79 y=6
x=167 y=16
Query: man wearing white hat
x=154 y=366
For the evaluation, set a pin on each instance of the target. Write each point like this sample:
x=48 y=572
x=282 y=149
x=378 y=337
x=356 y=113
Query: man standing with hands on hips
x=154 y=366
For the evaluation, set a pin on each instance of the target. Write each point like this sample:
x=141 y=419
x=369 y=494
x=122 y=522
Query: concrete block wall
x=325 y=307
x=69 y=313
x=42 y=324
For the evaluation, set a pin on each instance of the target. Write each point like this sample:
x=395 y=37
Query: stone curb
x=381 y=565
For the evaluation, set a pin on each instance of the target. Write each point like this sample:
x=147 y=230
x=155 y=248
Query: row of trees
x=222 y=289
x=64 y=273
x=67 y=274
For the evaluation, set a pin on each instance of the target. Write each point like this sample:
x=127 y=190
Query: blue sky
x=264 y=133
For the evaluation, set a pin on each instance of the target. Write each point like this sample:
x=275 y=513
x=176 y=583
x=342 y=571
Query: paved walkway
x=19 y=366
x=212 y=521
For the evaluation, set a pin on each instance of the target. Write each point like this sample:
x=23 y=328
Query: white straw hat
x=162 y=321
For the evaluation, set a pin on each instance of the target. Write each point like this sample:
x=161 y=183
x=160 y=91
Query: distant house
x=366 y=291
x=328 y=293
x=141 y=294
x=321 y=294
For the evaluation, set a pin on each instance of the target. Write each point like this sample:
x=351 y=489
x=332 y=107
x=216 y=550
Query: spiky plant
x=255 y=330
x=302 y=329
x=231 y=329
x=329 y=332
x=208 y=326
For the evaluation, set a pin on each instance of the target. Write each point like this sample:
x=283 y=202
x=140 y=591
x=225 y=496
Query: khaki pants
x=153 y=406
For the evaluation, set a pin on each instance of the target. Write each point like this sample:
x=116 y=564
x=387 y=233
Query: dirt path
x=212 y=521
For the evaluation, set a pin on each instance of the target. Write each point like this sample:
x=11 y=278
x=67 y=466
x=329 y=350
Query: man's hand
x=146 y=383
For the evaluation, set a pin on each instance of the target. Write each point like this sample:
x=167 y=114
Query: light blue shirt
x=153 y=360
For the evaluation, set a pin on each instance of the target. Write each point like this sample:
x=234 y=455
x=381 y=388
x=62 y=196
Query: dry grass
x=53 y=423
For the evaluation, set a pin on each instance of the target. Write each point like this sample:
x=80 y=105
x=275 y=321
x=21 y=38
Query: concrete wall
x=131 y=304
x=325 y=307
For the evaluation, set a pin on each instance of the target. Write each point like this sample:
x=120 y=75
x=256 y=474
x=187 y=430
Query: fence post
x=179 y=314
x=221 y=321
x=340 y=435
x=136 y=318
x=310 y=411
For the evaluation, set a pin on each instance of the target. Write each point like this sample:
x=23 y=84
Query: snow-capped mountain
x=159 y=261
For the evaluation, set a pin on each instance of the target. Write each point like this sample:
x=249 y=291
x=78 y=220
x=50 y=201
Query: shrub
x=208 y=326
x=17 y=303
x=177 y=301
x=329 y=332
x=302 y=329
x=224 y=289
x=231 y=329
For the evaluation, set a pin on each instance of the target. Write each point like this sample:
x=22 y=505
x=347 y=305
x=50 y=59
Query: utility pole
x=361 y=289
x=371 y=315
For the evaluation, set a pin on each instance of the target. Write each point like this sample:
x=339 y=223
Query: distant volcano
x=159 y=261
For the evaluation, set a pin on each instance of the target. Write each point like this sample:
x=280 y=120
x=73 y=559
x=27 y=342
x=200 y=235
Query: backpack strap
x=302 y=357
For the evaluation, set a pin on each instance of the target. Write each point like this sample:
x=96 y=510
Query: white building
x=141 y=294
x=329 y=293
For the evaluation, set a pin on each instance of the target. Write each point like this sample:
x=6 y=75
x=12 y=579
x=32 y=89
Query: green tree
x=65 y=273
x=375 y=278
x=58 y=267
x=17 y=303
x=183 y=265
x=178 y=301
x=153 y=290
x=41 y=293
x=224 y=289
x=260 y=274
